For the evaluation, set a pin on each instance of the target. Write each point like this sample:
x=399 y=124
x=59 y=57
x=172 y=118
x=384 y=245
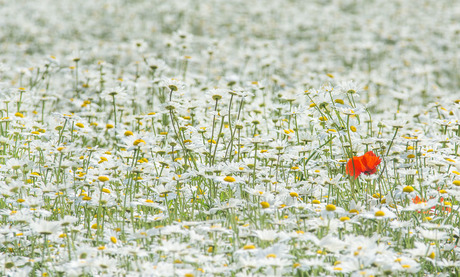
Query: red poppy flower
x=366 y=164
x=417 y=200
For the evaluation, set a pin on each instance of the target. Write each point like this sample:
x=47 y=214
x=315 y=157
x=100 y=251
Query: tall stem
x=114 y=110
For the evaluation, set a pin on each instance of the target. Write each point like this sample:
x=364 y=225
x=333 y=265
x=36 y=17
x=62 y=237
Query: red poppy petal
x=370 y=162
x=354 y=167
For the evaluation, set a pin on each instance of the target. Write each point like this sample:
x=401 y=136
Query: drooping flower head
x=366 y=164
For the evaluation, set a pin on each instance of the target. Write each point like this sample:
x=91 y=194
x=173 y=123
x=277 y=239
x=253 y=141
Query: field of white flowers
x=216 y=138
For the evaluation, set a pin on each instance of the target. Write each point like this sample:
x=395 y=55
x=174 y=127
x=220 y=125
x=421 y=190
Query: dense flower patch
x=229 y=138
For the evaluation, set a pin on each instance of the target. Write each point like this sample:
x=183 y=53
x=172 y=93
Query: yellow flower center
x=229 y=179
x=330 y=208
x=408 y=189
x=265 y=205
x=379 y=213
x=103 y=178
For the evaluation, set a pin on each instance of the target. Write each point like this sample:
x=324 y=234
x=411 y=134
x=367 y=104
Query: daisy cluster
x=227 y=138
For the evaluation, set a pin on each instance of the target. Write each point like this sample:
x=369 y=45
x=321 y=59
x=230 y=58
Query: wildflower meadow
x=229 y=138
